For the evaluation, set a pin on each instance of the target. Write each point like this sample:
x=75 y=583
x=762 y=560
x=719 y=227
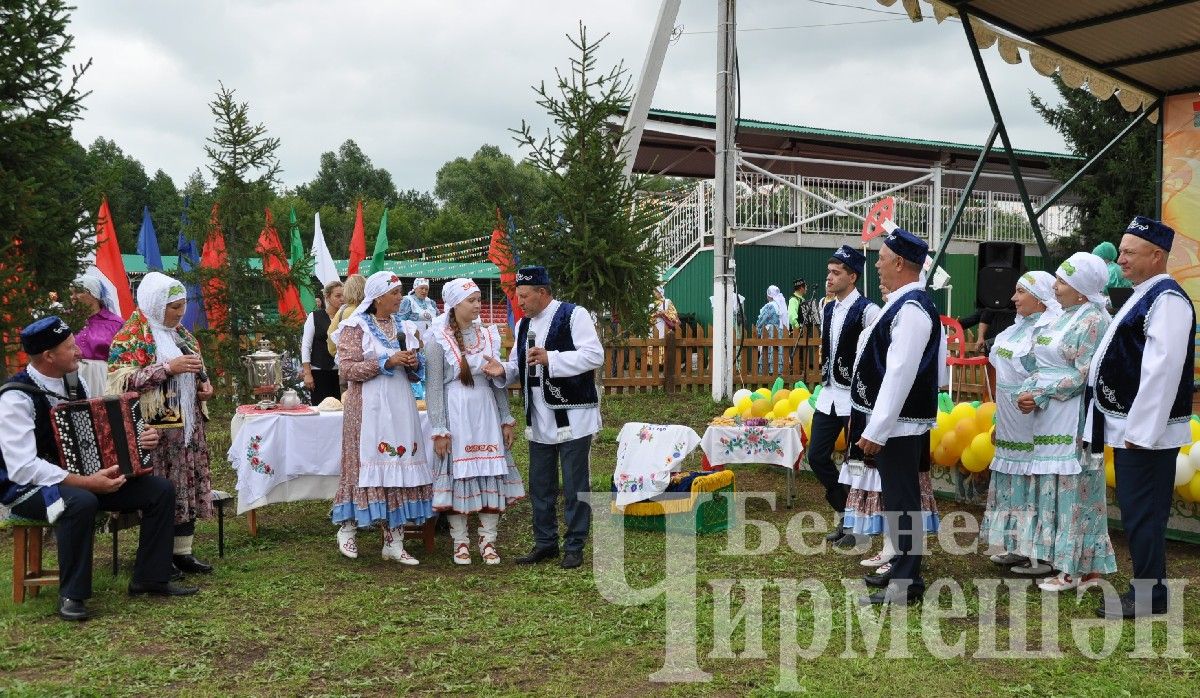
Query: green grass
x=285 y=614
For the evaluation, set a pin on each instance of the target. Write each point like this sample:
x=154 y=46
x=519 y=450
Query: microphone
x=529 y=344
x=202 y=376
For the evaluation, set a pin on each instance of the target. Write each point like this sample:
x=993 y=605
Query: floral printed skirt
x=864 y=510
x=1008 y=523
x=1070 y=530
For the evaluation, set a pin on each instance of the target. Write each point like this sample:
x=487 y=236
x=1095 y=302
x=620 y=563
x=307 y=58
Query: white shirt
x=17 y=441
x=306 y=340
x=1167 y=339
x=833 y=395
x=910 y=331
x=587 y=356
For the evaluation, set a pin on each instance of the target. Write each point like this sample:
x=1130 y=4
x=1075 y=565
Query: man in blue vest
x=893 y=393
x=842 y=321
x=555 y=356
x=1140 y=403
x=34 y=486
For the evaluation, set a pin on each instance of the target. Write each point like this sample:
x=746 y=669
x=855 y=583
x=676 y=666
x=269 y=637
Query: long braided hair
x=464 y=370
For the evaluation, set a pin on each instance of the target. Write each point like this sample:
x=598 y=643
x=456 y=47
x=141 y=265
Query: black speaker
x=999 y=265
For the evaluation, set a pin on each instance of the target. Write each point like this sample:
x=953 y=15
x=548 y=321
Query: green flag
x=381 y=246
x=295 y=255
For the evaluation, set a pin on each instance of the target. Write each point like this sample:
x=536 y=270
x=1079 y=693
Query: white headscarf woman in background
x=157 y=358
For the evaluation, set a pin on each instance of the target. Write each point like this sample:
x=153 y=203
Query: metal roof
x=1151 y=44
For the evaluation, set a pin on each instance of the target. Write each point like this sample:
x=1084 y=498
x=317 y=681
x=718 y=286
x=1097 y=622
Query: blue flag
x=147 y=244
x=193 y=316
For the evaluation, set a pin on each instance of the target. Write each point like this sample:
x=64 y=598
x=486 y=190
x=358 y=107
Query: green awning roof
x=135 y=264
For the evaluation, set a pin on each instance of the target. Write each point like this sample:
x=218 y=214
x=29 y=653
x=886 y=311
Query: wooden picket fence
x=682 y=361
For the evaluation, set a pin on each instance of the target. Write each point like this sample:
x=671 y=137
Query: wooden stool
x=27 y=557
x=426 y=530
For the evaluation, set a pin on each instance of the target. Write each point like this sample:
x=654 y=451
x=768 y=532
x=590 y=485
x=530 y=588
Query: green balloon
x=756 y=396
x=800 y=384
x=976 y=404
x=778 y=385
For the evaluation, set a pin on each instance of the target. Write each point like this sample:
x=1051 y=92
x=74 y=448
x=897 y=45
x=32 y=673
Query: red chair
x=956 y=340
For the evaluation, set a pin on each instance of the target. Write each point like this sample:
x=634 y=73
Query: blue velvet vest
x=43 y=436
x=921 y=404
x=566 y=392
x=836 y=369
x=1117 y=382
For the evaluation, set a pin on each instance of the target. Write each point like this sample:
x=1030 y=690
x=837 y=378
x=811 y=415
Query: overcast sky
x=419 y=83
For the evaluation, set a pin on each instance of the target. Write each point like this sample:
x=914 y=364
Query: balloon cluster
x=778 y=402
x=963 y=434
x=1187 y=467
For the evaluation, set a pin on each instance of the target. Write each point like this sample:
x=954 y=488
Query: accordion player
x=99 y=433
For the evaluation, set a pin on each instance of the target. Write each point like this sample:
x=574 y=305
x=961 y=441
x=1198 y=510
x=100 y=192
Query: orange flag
x=108 y=258
x=215 y=258
x=358 y=242
x=275 y=265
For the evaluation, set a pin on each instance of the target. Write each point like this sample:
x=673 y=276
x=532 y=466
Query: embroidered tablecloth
x=774 y=445
x=271 y=450
x=647 y=454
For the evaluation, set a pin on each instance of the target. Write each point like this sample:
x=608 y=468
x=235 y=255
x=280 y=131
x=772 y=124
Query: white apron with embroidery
x=477 y=445
x=1014 y=430
x=391 y=447
x=1056 y=428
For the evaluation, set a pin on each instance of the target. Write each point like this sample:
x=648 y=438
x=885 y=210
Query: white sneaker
x=1030 y=568
x=877 y=560
x=462 y=554
x=347 y=545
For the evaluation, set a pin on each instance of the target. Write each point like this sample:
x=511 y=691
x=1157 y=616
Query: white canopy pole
x=635 y=120
x=723 y=205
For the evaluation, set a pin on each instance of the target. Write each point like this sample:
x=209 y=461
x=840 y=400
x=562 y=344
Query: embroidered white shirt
x=17 y=441
x=833 y=395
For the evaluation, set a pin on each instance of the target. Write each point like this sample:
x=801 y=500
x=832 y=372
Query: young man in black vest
x=842 y=321
x=1139 y=401
x=555 y=357
x=34 y=486
x=894 y=392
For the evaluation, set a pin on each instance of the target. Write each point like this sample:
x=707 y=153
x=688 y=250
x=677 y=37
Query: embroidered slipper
x=399 y=554
x=1091 y=580
x=1063 y=582
x=877 y=560
x=462 y=554
x=488 y=551
x=346 y=543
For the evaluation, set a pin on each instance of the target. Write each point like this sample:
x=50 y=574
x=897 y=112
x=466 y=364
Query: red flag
x=275 y=266
x=500 y=254
x=883 y=210
x=108 y=258
x=214 y=258
x=358 y=242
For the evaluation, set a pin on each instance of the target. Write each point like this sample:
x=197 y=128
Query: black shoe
x=176 y=573
x=1126 y=610
x=189 y=564
x=537 y=555
x=848 y=540
x=161 y=589
x=838 y=533
x=879 y=581
x=882 y=597
x=571 y=559
x=70 y=609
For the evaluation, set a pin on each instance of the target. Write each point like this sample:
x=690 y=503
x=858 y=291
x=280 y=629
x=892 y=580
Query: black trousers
x=1145 y=480
x=545 y=463
x=825 y=430
x=899 y=463
x=325 y=384
x=75 y=530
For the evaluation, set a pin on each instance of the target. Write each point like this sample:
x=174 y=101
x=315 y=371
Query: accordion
x=99 y=433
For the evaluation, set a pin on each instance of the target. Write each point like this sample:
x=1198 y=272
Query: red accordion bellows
x=99 y=433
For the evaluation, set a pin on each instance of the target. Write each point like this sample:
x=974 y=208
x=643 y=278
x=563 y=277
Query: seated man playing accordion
x=34 y=486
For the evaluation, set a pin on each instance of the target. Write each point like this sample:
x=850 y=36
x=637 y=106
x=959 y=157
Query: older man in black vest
x=842 y=321
x=555 y=357
x=894 y=397
x=34 y=486
x=1140 y=403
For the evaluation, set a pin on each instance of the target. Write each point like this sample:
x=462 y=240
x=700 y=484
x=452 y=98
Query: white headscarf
x=1087 y=274
x=95 y=283
x=456 y=291
x=780 y=304
x=153 y=295
x=420 y=282
x=378 y=284
x=1040 y=285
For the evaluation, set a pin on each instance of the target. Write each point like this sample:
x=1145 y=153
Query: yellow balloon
x=744 y=404
x=747 y=413
x=760 y=408
x=1185 y=450
x=984 y=416
x=962 y=411
x=982 y=447
x=952 y=444
x=731 y=411
x=841 y=441
x=1110 y=473
x=965 y=430
x=780 y=396
x=1184 y=491
x=1195 y=430
x=808 y=427
x=935 y=436
x=765 y=392
x=1194 y=487
x=945 y=421
x=803 y=395
x=942 y=458
x=972 y=462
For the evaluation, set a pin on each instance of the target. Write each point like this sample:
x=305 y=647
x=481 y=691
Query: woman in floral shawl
x=155 y=357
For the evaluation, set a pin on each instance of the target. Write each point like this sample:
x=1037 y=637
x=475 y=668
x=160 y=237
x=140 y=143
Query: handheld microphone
x=529 y=344
x=202 y=376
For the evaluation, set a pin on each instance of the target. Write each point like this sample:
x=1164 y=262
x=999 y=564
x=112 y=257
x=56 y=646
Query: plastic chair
x=956 y=338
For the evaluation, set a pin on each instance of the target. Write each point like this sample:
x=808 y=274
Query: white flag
x=323 y=267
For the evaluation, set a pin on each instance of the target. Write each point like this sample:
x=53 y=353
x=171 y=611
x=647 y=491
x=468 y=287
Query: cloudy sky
x=417 y=83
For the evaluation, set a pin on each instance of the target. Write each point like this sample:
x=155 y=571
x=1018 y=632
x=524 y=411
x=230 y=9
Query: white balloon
x=737 y=397
x=1183 y=470
x=804 y=412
